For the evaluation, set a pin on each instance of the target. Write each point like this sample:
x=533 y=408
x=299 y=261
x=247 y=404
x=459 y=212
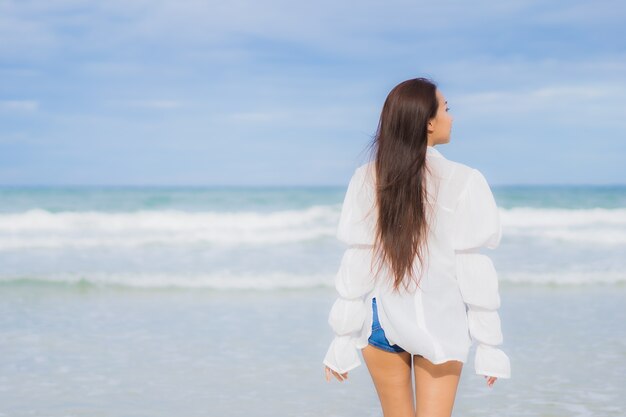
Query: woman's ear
x=431 y=126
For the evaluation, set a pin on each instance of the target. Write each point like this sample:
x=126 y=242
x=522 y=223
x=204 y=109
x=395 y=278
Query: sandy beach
x=87 y=351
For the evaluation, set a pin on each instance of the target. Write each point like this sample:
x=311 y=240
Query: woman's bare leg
x=391 y=373
x=435 y=386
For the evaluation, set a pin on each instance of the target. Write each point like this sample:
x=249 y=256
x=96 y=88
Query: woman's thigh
x=391 y=373
x=435 y=386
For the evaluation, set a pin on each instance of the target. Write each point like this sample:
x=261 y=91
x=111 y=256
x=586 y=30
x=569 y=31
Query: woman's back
x=457 y=296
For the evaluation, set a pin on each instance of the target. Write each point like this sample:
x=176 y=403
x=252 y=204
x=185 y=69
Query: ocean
x=161 y=301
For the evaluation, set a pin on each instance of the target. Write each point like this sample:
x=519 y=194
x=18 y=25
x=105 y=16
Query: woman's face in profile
x=439 y=127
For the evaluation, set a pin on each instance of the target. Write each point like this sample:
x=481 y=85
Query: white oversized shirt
x=458 y=300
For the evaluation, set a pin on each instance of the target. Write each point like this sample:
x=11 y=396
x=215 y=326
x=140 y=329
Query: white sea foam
x=554 y=217
x=44 y=229
x=596 y=226
x=560 y=278
x=222 y=281
x=276 y=281
x=279 y=249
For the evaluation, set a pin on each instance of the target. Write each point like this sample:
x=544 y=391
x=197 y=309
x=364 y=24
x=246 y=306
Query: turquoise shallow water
x=87 y=351
x=115 y=199
x=267 y=238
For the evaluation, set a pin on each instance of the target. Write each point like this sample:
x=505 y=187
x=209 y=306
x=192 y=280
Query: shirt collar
x=430 y=150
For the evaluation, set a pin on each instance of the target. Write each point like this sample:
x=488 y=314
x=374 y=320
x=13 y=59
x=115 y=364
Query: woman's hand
x=340 y=377
x=490 y=380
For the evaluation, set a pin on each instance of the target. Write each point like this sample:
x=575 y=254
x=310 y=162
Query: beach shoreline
x=110 y=351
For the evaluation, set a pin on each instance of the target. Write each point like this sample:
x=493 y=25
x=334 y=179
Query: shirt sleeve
x=353 y=280
x=477 y=225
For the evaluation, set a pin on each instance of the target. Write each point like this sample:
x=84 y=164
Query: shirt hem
x=495 y=374
x=348 y=369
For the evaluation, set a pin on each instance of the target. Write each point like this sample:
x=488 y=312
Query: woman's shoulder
x=459 y=168
x=458 y=180
x=444 y=168
x=454 y=174
x=367 y=166
x=366 y=172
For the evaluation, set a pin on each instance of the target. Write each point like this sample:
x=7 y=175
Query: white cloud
x=564 y=106
x=15 y=137
x=597 y=13
x=265 y=116
x=149 y=104
x=340 y=116
x=19 y=105
x=282 y=69
x=563 y=92
x=350 y=28
x=19 y=72
x=573 y=92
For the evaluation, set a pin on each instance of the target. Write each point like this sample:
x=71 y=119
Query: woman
x=414 y=290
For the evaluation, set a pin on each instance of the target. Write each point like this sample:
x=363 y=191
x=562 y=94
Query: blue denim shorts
x=378 y=338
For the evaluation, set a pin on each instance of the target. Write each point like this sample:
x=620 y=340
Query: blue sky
x=165 y=92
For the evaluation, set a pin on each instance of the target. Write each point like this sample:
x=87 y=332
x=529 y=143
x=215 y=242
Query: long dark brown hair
x=400 y=150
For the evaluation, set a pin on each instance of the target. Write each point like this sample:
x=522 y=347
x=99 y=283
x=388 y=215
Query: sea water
x=131 y=301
